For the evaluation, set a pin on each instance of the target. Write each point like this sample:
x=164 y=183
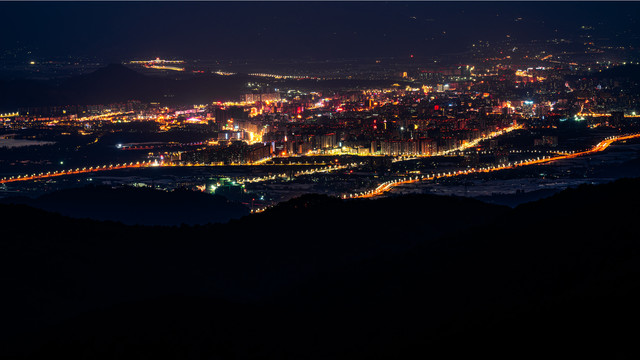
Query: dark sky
x=125 y=30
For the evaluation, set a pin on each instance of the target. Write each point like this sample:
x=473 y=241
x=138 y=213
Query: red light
x=436 y=108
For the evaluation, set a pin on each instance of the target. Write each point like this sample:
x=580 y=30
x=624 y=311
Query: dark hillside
x=117 y=83
x=78 y=265
x=560 y=276
x=417 y=276
x=137 y=206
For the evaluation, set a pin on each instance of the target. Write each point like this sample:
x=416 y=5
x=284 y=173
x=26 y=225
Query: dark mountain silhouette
x=143 y=206
x=118 y=83
x=114 y=83
x=515 y=199
x=626 y=72
x=319 y=278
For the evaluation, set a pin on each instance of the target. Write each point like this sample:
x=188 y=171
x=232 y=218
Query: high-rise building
x=327 y=141
x=261 y=97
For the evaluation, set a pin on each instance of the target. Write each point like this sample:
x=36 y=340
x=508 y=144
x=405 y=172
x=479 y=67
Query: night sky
x=253 y=30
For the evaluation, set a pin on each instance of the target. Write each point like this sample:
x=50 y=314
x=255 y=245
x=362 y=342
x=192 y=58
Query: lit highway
x=144 y=164
x=84 y=170
x=389 y=185
x=379 y=190
x=325 y=169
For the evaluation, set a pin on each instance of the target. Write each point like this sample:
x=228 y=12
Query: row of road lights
x=378 y=190
x=389 y=184
x=298 y=173
x=305 y=172
x=72 y=171
x=386 y=185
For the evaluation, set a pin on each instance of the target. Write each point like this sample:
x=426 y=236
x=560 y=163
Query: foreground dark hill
x=412 y=277
x=79 y=265
x=137 y=206
x=559 y=277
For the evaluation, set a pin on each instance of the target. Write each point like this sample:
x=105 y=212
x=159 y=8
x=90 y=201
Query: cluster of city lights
x=159 y=64
x=277 y=76
x=9 y=115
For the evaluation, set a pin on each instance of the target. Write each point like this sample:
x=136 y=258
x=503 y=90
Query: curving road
x=387 y=186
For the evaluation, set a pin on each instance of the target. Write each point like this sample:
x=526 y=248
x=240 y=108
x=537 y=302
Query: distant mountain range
x=418 y=276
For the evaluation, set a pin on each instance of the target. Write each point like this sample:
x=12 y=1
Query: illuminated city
x=454 y=112
x=320 y=180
